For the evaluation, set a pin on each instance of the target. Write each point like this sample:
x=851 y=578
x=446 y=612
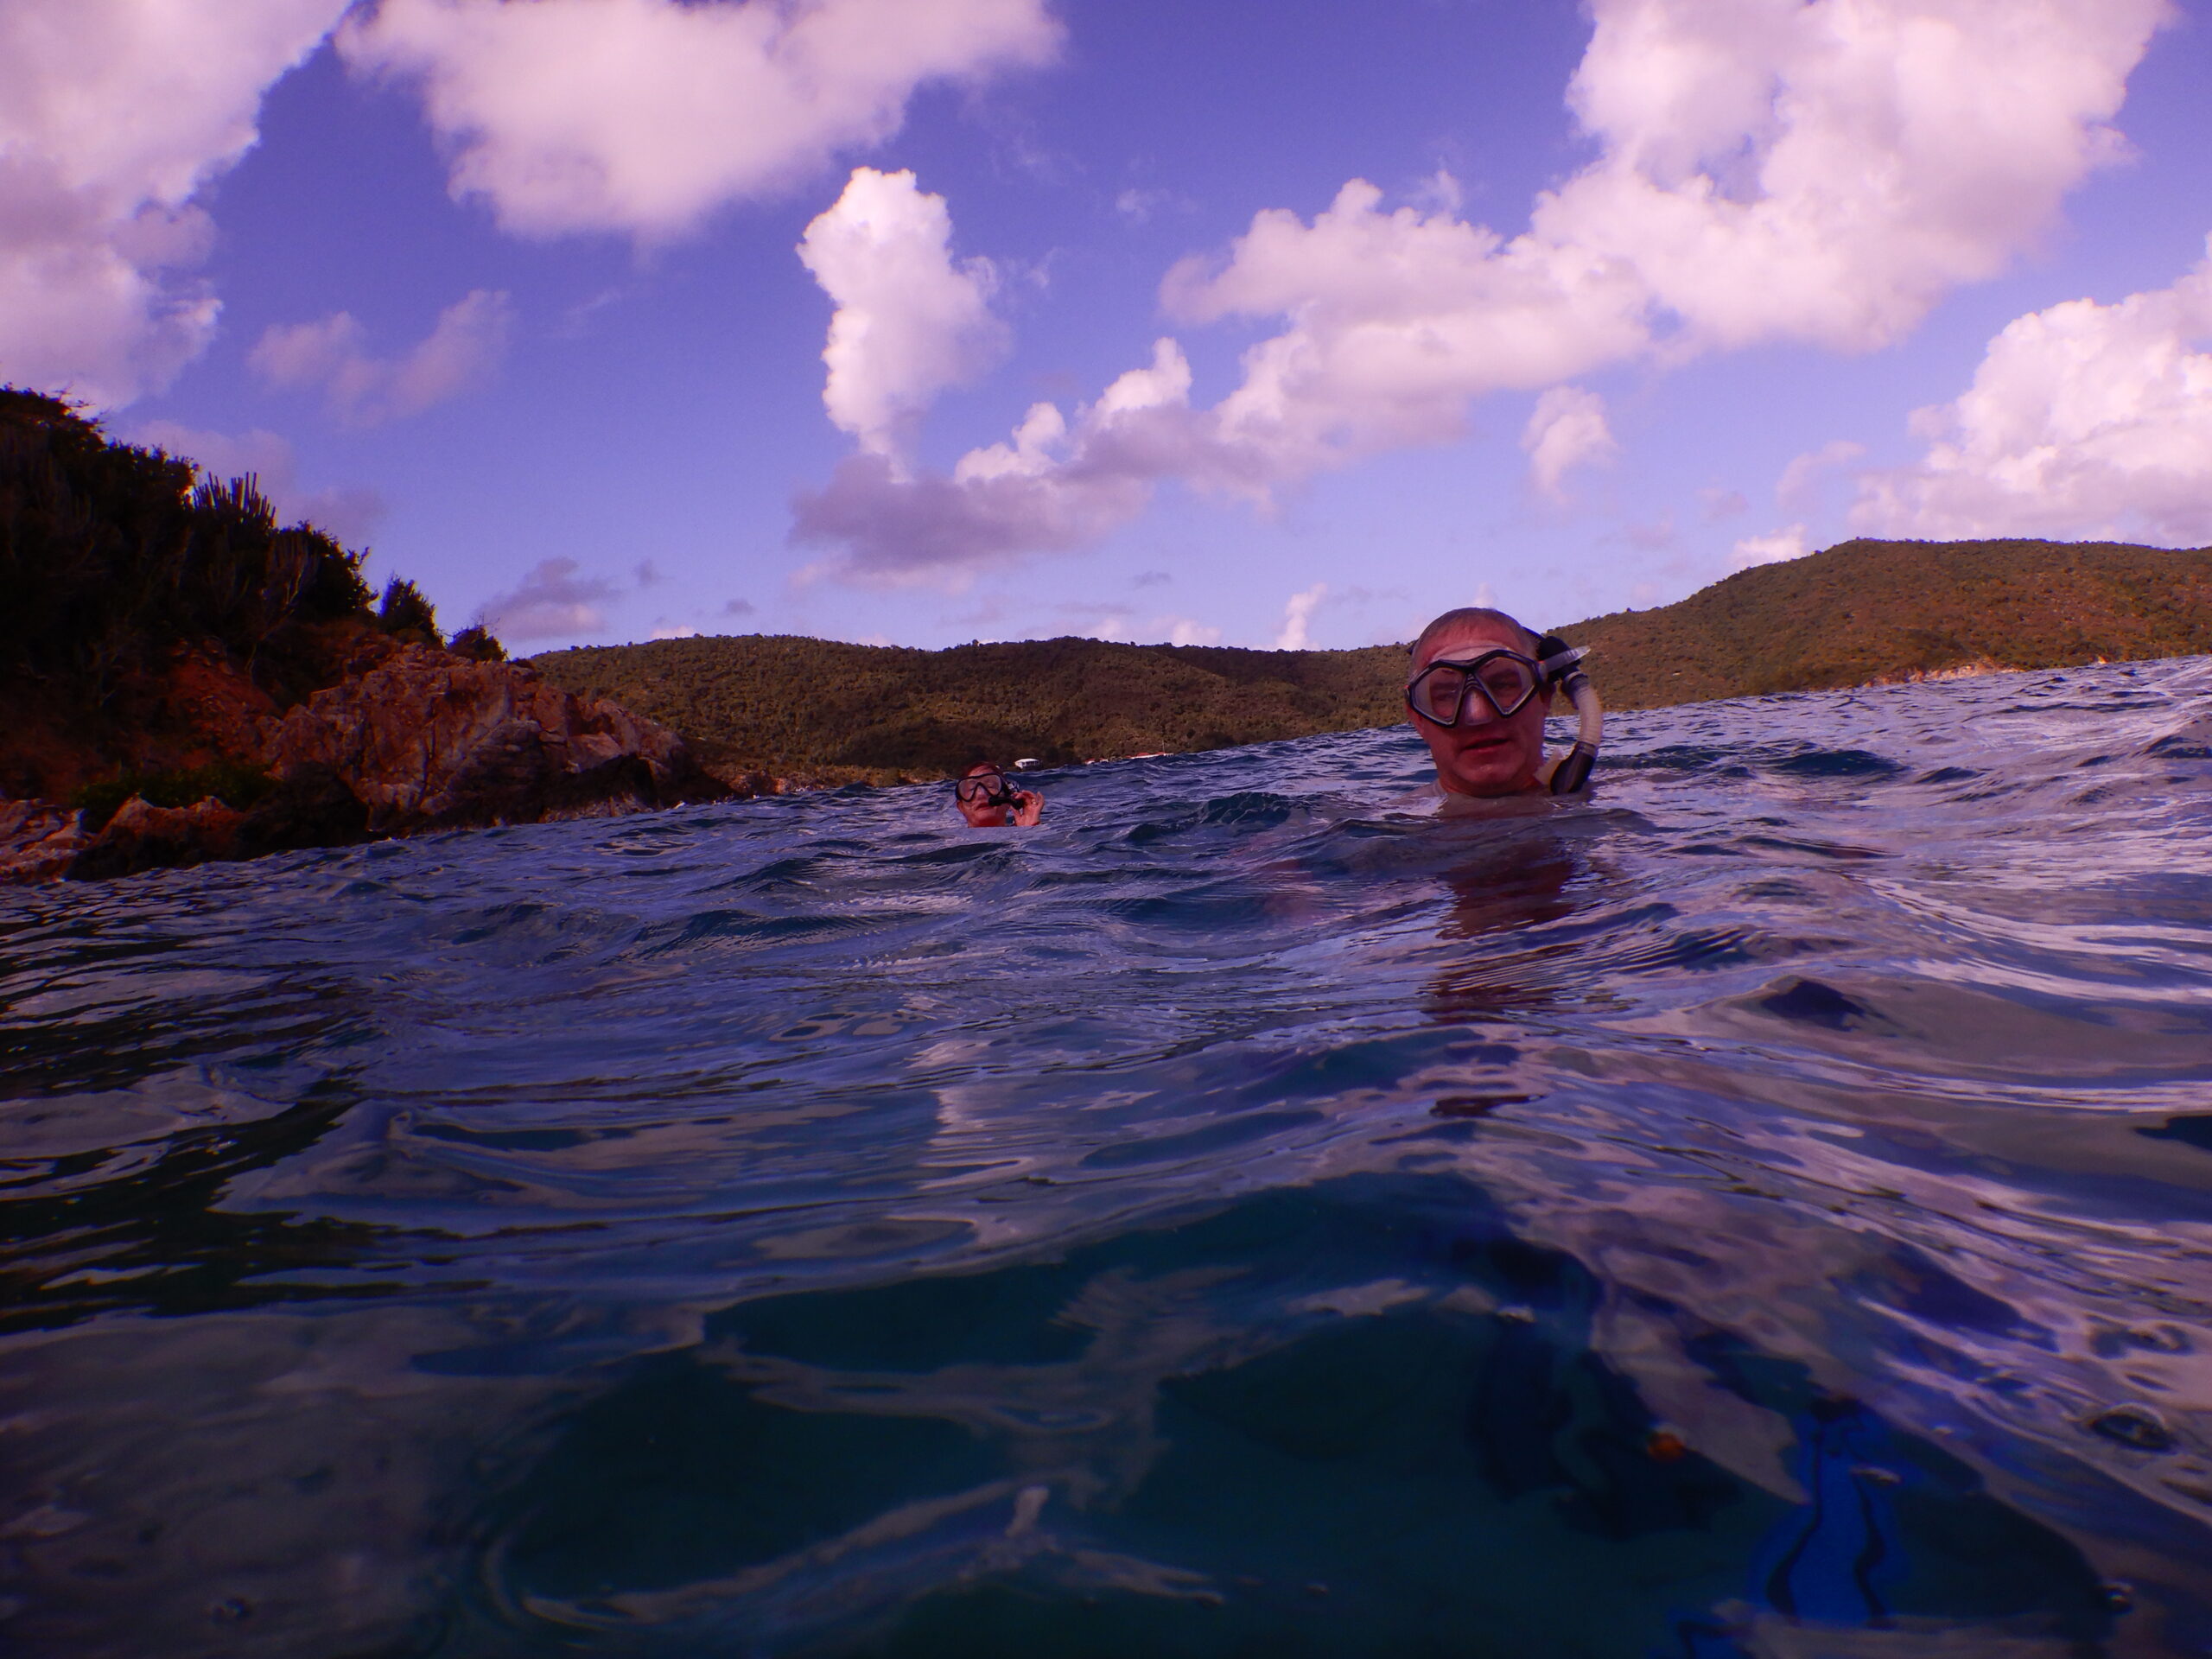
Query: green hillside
x=1866 y=611
x=819 y=711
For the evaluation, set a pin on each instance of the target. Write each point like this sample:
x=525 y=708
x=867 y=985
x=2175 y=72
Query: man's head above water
x=989 y=800
x=1478 y=750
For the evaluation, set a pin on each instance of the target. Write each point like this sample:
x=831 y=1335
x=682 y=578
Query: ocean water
x=1765 y=1211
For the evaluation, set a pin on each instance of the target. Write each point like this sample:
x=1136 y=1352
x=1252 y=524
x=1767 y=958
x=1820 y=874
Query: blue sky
x=514 y=292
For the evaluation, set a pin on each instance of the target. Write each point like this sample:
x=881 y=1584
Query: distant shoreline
x=187 y=680
x=784 y=711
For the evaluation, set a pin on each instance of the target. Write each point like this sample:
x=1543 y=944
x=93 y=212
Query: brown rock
x=311 y=806
x=141 y=837
x=745 y=782
x=428 y=741
x=421 y=740
x=39 y=841
x=214 y=699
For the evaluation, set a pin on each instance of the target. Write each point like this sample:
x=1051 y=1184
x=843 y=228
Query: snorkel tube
x=1562 y=666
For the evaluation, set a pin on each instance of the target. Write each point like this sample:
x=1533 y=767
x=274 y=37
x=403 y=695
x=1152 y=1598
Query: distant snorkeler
x=1479 y=685
x=988 y=801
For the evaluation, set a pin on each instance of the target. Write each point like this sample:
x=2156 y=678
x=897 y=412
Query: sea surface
x=1764 y=1212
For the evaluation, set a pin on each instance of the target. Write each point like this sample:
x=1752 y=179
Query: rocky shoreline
x=422 y=741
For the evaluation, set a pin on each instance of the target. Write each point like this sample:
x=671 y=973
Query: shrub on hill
x=111 y=555
x=406 y=615
x=476 y=643
x=151 y=612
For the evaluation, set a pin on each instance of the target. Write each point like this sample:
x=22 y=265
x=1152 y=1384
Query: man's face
x=980 y=806
x=1483 y=755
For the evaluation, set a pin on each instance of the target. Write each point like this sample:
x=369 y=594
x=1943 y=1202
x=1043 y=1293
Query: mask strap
x=1557 y=658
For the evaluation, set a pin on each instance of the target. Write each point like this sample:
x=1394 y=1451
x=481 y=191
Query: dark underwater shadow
x=147 y=1228
x=1504 y=884
x=1357 y=1418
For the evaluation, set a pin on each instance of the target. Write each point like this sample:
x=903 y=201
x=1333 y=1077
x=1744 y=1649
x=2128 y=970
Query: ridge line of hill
x=815 y=711
x=164 y=630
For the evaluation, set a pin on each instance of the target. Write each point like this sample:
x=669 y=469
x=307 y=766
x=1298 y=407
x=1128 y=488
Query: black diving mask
x=1504 y=679
x=985 y=789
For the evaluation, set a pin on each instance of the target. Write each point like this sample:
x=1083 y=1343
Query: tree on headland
x=111 y=555
x=476 y=643
x=122 y=565
x=408 y=616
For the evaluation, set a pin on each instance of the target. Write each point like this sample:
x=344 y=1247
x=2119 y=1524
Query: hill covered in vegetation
x=816 y=711
x=1865 y=612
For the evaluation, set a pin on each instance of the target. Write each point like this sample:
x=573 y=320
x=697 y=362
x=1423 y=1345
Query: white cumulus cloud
x=1774 y=170
x=2083 y=420
x=1769 y=169
x=1818 y=171
x=1398 y=319
x=1772 y=549
x=1566 y=429
x=1056 y=484
x=555 y=600
x=1799 y=485
x=114 y=115
x=642 y=117
x=909 y=321
x=361 y=389
x=1298 y=617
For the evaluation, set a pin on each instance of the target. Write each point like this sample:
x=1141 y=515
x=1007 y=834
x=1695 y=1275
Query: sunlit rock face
x=39 y=841
x=428 y=741
x=423 y=740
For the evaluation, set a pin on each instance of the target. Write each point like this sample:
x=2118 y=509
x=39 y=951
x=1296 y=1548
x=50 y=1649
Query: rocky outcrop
x=428 y=741
x=421 y=740
x=143 y=837
x=39 y=841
